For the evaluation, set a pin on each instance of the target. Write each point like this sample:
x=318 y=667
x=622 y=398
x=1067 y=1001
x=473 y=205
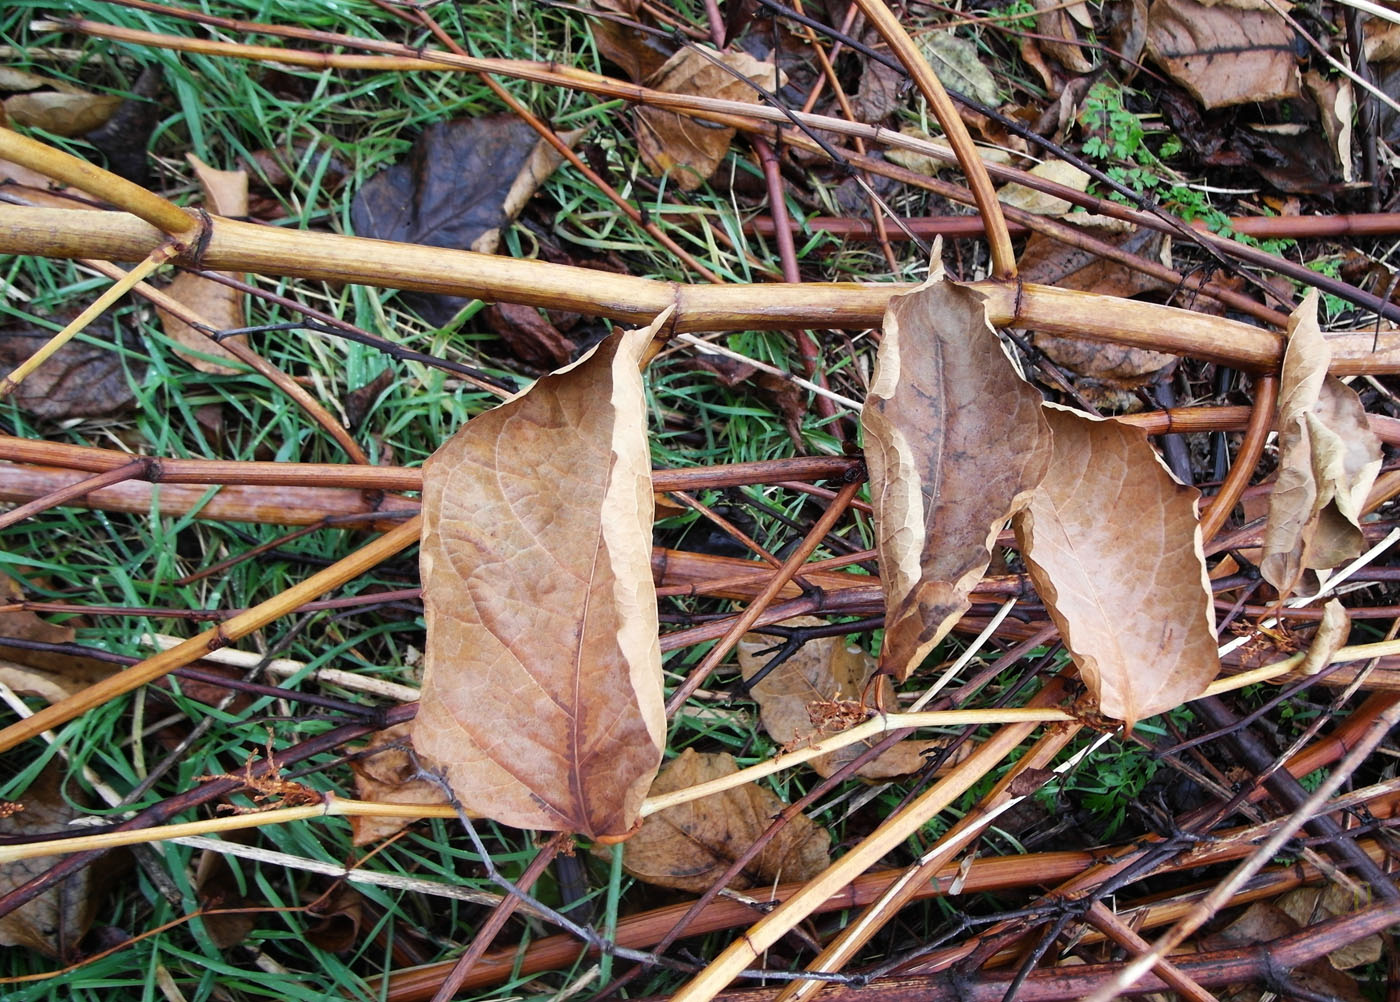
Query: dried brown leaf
x=1328 y=459
x=1221 y=54
x=530 y=335
x=387 y=773
x=225 y=194
x=955 y=441
x=688 y=846
x=53 y=922
x=636 y=49
x=825 y=671
x=542 y=675
x=687 y=149
x=220 y=892
x=1113 y=545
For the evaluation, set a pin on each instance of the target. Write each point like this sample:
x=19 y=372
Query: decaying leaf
x=689 y=149
x=1113 y=545
x=542 y=695
x=955 y=61
x=920 y=163
x=1310 y=905
x=531 y=337
x=386 y=773
x=688 y=846
x=79 y=380
x=823 y=674
x=462 y=182
x=1328 y=459
x=955 y=441
x=50 y=675
x=1222 y=54
x=1021 y=196
x=225 y=194
x=1264 y=921
x=1336 y=105
x=1049 y=262
x=54 y=922
x=882 y=90
x=1127 y=33
x=26 y=625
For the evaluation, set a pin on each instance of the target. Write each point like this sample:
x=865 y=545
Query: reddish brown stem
x=807 y=347
x=1246 y=459
x=1260 y=964
x=134 y=470
x=1261 y=227
x=390 y=478
x=501 y=914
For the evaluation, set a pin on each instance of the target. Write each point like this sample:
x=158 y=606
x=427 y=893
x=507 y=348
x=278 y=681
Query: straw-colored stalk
x=237 y=246
x=772 y=927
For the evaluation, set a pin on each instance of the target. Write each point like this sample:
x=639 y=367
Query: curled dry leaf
x=955 y=441
x=1328 y=459
x=337 y=918
x=825 y=671
x=1222 y=54
x=1113 y=545
x=689 y=149
x=387 y=773
x=542 y=697
x=1056 y=22
x=1331 y=634
x=225 y=194
x=687 y=847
